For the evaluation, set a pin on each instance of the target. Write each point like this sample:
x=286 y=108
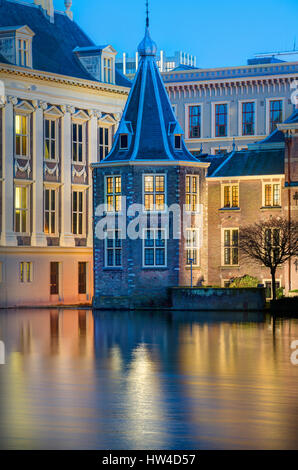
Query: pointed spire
x=147 y=14
x=147 y=46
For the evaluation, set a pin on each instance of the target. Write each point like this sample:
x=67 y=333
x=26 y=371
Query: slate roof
x=251 y=163
x=53 y=43
x=293 y=119
x=148 y=117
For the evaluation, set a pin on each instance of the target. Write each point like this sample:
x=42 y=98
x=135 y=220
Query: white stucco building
x=60 y=102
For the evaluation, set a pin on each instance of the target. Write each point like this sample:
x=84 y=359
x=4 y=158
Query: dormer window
x=108 y=70
x=178 y=142
x=123 y=141
x=99 y=61
x=23 y=52
x=16 y=45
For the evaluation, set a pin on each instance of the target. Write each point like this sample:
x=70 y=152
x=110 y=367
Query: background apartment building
x=60 y=102
x=225 y=108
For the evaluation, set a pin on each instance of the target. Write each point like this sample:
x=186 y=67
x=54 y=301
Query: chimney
x=68 y=4
x=47 y=8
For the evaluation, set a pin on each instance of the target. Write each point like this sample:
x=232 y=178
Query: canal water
x=76 y=379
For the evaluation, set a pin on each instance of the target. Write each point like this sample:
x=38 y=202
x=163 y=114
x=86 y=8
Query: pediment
x=107 y=119
x=81 y=115
x=53 y=111
x=24 y=106
x=109 y=50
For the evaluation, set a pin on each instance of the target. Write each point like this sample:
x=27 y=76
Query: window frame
x=120 y=144
x=268 y=106
x=190 y=126
x=269 y=281
x=144 y=193
x=243 y=113
x=82 y=191
x=193 y=248
x=230 y=246
x=23 y=272
x=51 y=188
x=27 y=209
x=26 y=115
x=191 y=194
x=272 y=184
x=78 y=122
x=56 y=121
x=113 y=194
x=154 y=247
x=106 y=147
x=113 y=249
x=231 y=186
x=214 y=116
x=22 y=52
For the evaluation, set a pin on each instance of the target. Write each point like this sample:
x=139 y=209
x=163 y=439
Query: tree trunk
x=273 y=284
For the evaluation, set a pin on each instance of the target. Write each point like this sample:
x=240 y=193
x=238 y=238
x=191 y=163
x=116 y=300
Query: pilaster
x=67 y=238
x=38 y=236
x=8 y=237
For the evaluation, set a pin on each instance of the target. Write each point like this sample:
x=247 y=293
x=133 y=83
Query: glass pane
x=18 y=221
x=160 y=256
x=24 y=145
x=47 y=128
x=149 y=257
x=53 y=224
x=53 y=200
x=24 y=221
x=149 y=205
x=149 y=184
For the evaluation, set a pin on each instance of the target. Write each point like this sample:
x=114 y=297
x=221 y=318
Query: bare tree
x=272 y=242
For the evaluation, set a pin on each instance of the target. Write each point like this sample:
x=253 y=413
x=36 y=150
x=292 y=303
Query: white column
x=93 y=129
x=67 y=238
x=161 y=61
x=124 y=63
x=137 y=61
x=38 y=236
x=8 y=237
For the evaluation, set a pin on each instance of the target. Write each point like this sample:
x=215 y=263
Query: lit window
x=275 y=116
x=113 y=193
x=82 y=277
x=25 y=272
x=177 y=141
x=248 y=118
x=154 y=192
x=50 y=211
x=221 y=120
x=194 y=122
x=272 y=195
x=23 y=52
x=77 y=142
x=108 y=70
x=192 y=247
x=21 y=209
x=22 y=135
x=192 y=193
x=54 y=278
x=154 y=248
x=113 y=245
x=231 y=196
x=123 y=141
x=77 y=212
x=231 y=247
x=104 y=142
x=50 y=134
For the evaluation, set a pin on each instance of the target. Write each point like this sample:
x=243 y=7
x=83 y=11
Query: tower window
x=123 y=141
x=177 y=141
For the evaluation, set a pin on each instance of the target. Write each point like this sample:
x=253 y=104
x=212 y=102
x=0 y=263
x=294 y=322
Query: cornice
x=50 y=77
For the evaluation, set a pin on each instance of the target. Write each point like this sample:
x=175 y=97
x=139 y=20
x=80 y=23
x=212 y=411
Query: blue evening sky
x=218 y=32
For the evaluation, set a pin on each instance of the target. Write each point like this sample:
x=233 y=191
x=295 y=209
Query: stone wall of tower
x=132 y=284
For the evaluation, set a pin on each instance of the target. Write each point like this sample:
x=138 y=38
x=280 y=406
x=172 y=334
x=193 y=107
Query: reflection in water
x=75 y=379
